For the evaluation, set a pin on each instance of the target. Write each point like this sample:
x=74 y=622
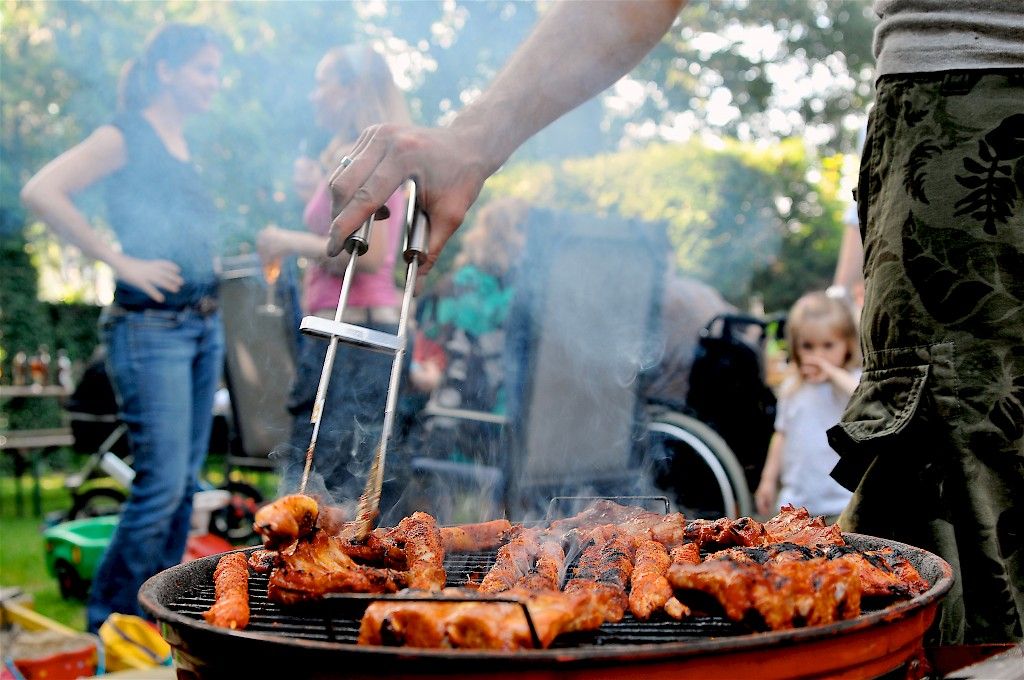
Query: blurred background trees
x=737 y=131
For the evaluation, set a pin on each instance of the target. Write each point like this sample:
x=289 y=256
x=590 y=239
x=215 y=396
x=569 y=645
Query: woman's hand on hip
x=150 y=276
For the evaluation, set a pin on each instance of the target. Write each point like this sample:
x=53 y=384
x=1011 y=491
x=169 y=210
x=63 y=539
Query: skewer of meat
x=231 y=588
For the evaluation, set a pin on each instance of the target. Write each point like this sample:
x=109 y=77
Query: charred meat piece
x=286 y=520
x=475 y=537
x=724 y=532
x=424 y=556
x=649 y=589
x=231 y=588
x=379 y=548
x=882 y=573
x=795 y=525
x=548 y=567
x=774 y=596
x=475 y=624
x=603 y=570
x=598 y=513
x=262 y=561
x=513 y=562
x=319 y=566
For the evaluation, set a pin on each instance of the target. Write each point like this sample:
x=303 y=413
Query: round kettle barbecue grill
x=318 y=639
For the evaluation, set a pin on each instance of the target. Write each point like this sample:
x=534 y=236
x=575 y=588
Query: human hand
x=307 y=173
x=814 y=369
x=149 y=276
x=273 y=243
x=425 y=376
x=446 y=164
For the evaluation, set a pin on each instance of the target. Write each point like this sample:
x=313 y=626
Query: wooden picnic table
x=27 y=446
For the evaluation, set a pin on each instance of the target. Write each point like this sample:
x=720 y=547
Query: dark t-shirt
x=160 y=209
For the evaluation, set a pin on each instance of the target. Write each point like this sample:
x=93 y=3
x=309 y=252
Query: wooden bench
x=26 y=447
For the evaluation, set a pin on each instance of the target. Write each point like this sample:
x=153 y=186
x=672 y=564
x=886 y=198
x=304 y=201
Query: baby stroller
x=97 y=431
x=101 y=486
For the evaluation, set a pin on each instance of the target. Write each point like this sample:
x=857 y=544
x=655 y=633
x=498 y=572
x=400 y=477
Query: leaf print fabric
x=942 y=212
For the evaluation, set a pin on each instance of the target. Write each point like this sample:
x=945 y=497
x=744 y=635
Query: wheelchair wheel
x=694 y=464
x=96 y=501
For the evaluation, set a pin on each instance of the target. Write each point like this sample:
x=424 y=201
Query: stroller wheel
x=234 y=522
x=96 y=502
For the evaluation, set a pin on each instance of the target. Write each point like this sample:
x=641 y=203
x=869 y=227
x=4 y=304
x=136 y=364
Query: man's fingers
x=367 y=199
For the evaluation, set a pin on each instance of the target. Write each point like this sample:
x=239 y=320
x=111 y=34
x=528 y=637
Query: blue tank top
x=160 y=209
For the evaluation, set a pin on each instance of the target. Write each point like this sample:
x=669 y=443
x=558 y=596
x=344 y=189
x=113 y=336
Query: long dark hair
x=172 y=43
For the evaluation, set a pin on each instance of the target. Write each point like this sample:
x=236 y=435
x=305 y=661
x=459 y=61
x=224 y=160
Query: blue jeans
x=165 y=367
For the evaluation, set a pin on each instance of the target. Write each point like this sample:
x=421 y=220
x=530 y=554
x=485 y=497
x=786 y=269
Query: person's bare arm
x=768 y=488
x=542 y=81
x=50 y=195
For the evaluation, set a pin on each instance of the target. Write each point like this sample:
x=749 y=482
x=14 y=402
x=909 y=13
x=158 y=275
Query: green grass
x=22 y=560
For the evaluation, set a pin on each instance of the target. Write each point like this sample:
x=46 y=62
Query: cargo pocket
x=886 y=411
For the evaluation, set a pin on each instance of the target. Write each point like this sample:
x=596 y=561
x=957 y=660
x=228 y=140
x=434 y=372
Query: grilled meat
x=424 y=556
x=599 y=513
x=231 y=588
x=286 y=520
x=548 y=567
x=262 y=561
x=513 y=562
x=725 y=532
x=775 y=596
x=649 y=589
x=477 y=624
x=795 y=525
x=603 y=571
x=319 y=566
x=475 y=537
x=882 y=573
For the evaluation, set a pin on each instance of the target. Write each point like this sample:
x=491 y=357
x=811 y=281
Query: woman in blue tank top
x=163 y=333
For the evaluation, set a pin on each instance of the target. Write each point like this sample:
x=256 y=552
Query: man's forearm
x=577 y=50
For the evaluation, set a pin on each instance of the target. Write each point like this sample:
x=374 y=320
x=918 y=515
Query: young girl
x=162 y=333
x=822 y=336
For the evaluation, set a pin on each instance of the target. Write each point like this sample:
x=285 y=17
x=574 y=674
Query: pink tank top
x=376 y=289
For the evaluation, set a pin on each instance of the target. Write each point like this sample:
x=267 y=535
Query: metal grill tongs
x=417 y=228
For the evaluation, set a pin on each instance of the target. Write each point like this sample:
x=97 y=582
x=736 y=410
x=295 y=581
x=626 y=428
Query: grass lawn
x=22 y=561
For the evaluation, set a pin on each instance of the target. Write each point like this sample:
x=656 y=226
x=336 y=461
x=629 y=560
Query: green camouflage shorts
x=933 y=438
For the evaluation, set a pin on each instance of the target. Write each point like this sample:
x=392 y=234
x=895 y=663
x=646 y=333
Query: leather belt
x=362 y=316
x=204 y=306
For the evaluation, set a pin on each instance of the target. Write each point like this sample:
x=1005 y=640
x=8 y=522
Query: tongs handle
x=417 y=227
x=417 y=233
x=358 y=241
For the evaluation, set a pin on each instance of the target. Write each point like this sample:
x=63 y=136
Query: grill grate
x=331 y=621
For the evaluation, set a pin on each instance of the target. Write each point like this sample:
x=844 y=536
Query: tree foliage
x=61 y=60
x=749 y=220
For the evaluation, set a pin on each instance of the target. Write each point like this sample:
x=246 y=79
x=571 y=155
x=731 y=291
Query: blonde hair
x=366 y=73
x=832 y=312
x=496 y=237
